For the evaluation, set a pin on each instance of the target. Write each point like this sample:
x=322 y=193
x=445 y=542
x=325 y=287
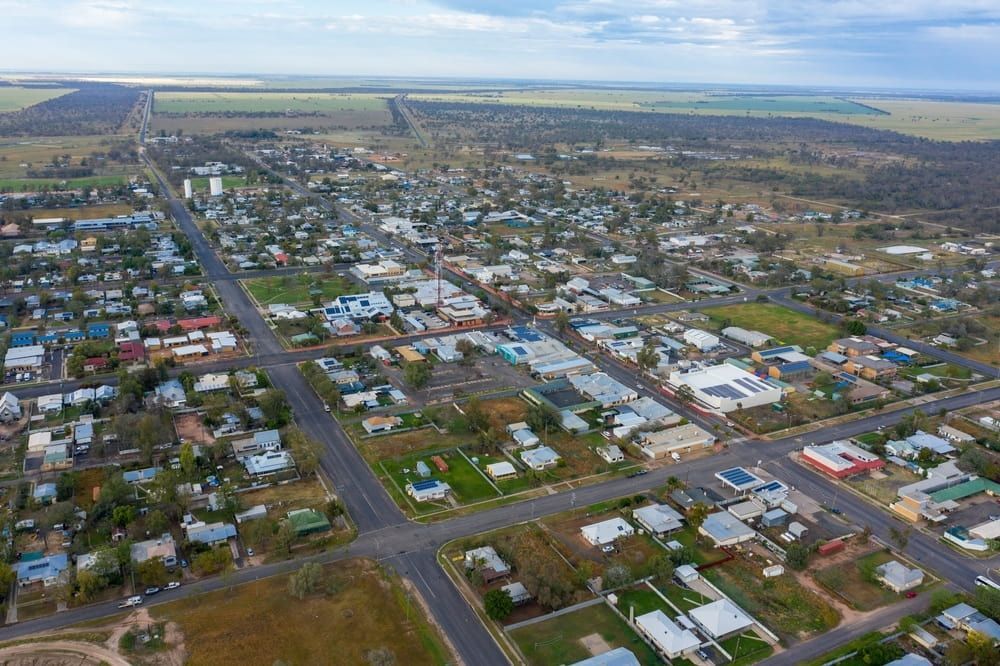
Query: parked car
x=150 y=591
x=250 y=552
x=130 y=602
x=172 y=585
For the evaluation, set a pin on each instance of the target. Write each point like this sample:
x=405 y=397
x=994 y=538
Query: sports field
x=265 y=102
x=786 y=326
x=14 y=98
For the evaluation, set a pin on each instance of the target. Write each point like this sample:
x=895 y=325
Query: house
x=967 y=618
x=145 y=475
x=486 y=561
x=607 y=531
x=501 y=471
x=617 y=657
x=427 y=490
x=517 y=592
x=524 y=437
x=211 y=533
x=50 y=404
x=48 y=571
x=44 y=493
x=725 y=529
x=171 y=394
x=376 y=424
x=611 y=453
x=658 y=519
x=670 y=640
x=163 y=548
x=308 y=521
x=540 y=459
x=720 y=619
x=270 y=462
x=10 y=408
x=211 y=382
x=898 y=577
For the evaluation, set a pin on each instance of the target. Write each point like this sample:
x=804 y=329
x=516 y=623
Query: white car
x=172 y=585
x=130 y=602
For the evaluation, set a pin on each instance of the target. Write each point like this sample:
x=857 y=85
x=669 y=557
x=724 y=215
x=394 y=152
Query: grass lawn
x=782 y=604
x=703 y=553
x=557 y=641
x=786 y=326
x=644 y=600
x=683 y=598
x=747 y=648
x=33 y=184
x=848 y=583
x=201 y=184
x=368 y=610
x=943 y=370
x=465 y=481
x=294 y=289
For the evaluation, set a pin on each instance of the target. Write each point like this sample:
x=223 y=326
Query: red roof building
x=197 y=323
x=841 y=459
x=132 y=351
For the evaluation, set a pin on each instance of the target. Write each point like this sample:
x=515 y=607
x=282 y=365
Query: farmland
x=270 y=102
x=787 y=326
x=359 y=609
x=15 y=98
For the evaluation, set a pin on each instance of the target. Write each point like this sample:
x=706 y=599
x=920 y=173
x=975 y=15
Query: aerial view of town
x=468 y=333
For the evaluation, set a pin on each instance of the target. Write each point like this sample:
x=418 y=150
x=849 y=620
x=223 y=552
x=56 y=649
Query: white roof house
x=658 y=518
x=607 y=531
x=720 y=618
x=541 y=458
x=501 y=470
x=49 y=404
x=211 y=382
x=899 y=577
x=669 y=638
x=268 y=463
x=10 y=407
x=725 y=530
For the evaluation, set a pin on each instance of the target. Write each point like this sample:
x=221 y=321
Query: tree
x=305 y=581
x=275 y=408
x=796 y=556
x=284 y=537
x=684 y=395
x=647 y=358
x=855 y=327
x=476 y=417
x=417 y=374
x=617 y=575
x=7 y=575
x=89 y=584
x=123 y=514
x=152 y=572
x=542 y=417
x=661 y=568
x=187 y=460
x=697 y=514
x=498 y=604
x=900 y=537
x=562 y=321
x=984 y=653
x=156 y=522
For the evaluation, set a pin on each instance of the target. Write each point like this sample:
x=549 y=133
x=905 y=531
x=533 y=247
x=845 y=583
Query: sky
x=944 y=44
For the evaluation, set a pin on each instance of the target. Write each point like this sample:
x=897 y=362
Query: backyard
x=560 y=640
x=850 y=583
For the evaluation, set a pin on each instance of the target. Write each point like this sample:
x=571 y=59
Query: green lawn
x=848 y=583
x=557 y=641
x=747 y=648
x=33 y=184
x=683 y=598
x=294 y=289
x=943 y=370
x=786 y=326
x=228 y=182
x=644 y=600
x=702 y=551
x=466 y=482
x=14 y=98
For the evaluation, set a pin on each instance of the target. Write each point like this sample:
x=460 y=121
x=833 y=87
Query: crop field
x=946 y=121
x=786 y=326
x=36 y=184
x=15 y=98
x=265 y=102
x=295 y=289
x=359 y=609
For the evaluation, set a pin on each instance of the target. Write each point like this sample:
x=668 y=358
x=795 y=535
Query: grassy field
x=848 y=583
x=201 y=184
x=15 y=98
x=466 y=482
x=557 y=641
x=265 y=102
x=759 y=105
x=782 y=604
x=34 y=184
x=294 y=289
x=84 y=212
x=786 y=326
x=260 y=623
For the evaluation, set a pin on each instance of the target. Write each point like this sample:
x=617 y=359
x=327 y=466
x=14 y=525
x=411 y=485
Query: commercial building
x=752 y=339
x=841 y=459
x=725 y=387
x=701 y=340
x=724 y=529
x=601 y=388
x=680 y=440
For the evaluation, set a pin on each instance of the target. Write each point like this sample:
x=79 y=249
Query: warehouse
x=725 y=387
x=682 y=439
x=700 y=339
x=751 y=339
x=840 y=459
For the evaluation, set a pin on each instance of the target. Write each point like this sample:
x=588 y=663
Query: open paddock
x=15 y=98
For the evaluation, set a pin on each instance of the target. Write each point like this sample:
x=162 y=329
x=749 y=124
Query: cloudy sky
x=886 y=43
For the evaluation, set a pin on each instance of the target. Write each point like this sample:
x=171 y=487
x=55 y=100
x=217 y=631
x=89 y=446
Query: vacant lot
x=848 y=582
x=559 y=640
x=298 y=289
x=786 y=326
x=260 y=623
x=465 y=480
x=14 y=98
x=882 y=485
x=782 y=604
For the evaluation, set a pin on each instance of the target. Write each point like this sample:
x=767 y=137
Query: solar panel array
x=425 y=485
x=738 y=478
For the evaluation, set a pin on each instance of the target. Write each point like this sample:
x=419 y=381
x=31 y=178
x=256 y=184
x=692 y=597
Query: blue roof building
x=98 y=331
x=45 y=570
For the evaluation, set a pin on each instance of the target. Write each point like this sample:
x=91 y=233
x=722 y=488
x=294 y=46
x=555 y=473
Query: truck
x=131 y=602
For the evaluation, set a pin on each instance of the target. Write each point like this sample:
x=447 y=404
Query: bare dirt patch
x=595 y=644
x=190 y=429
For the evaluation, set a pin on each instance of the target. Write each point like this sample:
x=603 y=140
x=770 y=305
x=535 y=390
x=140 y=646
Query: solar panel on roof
x=425 y=485
x=748 y=384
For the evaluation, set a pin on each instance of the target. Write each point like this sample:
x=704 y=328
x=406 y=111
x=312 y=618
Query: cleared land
x=787 y=326
x=362 y=609
x=558 y=641
x=849 y=582
x=15 y=98
x=295 y=289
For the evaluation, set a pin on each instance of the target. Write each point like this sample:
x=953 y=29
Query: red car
x=911 y=594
